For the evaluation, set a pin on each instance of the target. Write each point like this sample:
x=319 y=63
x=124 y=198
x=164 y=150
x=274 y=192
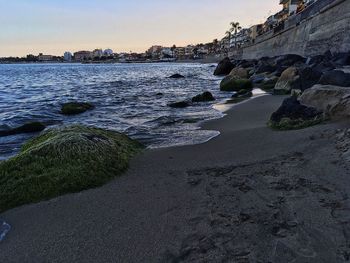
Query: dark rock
x=268 y=84
x=324 y=66
x=257 y=78
x=176 y=76
x=341 y=59
x=265 y=66
x=205 y=96
x=291 y=108
x=308 y=77
x=232 y=83
x=335 y=77
x=73 y=108
x=159 y=94
x=224 y=67
x=30 y=127
x=180 y=104
x=246 y=63
x=315 y=60
x=289 y=60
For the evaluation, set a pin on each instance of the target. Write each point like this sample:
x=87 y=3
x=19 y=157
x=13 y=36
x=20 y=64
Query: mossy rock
x=64 y=160
x=232 y=83
x=296 y=124
x=73 y=108
x=205 y=96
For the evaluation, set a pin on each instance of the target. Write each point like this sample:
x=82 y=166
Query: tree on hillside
x=173 y=48
x=228 y=37
x=235 y=27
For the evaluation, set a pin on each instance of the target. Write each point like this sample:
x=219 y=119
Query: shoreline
x=174 y=202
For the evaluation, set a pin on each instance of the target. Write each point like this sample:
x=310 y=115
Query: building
x=241 y=38
x=155 y=51
x=97 y=53
x=255 y=31
x=108 y=52
x=44 y=58
x=67 y=56
x=289 y=7
x=82 y=55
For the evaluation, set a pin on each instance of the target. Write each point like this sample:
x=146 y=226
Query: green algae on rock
x=64 y=160
x=73 y=108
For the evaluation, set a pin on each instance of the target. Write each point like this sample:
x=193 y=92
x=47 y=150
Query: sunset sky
x=55 y=26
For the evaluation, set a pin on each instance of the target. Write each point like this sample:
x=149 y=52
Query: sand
x=249 y=195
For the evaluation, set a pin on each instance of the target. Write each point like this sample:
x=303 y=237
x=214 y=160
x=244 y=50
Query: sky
x=55 y=26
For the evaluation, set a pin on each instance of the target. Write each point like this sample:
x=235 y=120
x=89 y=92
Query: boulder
x=268 y=84
x=341 y=59
x=334 y=101
x=308 y=77
x=258 y=78
x=293 y=115
x=289 y=60
x=287 y=81
x=224 y=67
x=336 y=78
x=232 y=83
x=179 y=104
x=265 y=66
x=247 y=63
x=73 y=108
x=177 y=76
x=64 y=160
x=205 y=96
x=239 y=73
x=30 y=127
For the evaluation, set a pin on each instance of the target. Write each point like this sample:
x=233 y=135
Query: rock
x=341 y=59
x=224 y=67
x=308 y=77
x=247 y=63
x=159 y=94
x=258 y=78
x=287 y=81
x=336 y=78
x=293 y=115
x=64 y=160
x=265 y=66
x=240 y=73
x=232 y=83
x=268 y=84
x=180 y=104
x=334 y=101
x=73 y=108
x=205 y=96
x=30 y=127
x=176 y=76
x=289 y=60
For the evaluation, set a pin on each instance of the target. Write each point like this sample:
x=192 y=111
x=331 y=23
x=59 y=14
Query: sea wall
x=328 y=29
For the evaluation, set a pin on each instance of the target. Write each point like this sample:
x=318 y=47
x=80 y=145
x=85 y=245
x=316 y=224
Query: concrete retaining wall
x=328 y=30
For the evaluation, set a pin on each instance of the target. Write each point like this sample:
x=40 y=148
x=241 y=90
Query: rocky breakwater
x=319 y=86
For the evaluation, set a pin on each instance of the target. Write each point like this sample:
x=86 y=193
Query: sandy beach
x=249 y=195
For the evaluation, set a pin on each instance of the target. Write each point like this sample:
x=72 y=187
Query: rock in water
x=224 y=67
x=63 y=160
x=176 y=76
x=30 y=127
x=73 y=108
x=239 y=73
x=180 y=104
x=293 y=115
x=334 y=101
x=287 y=81
x=205 y=96
x=232 y=83
x=336 y=78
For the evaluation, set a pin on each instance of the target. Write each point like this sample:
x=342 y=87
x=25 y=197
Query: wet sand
x=248 y=195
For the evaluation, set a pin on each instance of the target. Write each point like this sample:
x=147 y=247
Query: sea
x=129 y=98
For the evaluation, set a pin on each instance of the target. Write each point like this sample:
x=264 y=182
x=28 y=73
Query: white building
x=108 y=52
x=97 y=53
x=67 y=56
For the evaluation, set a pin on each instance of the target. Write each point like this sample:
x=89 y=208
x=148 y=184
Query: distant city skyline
x=53 y=27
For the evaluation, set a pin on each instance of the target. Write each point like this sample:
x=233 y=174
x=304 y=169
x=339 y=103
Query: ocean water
x=126 y=97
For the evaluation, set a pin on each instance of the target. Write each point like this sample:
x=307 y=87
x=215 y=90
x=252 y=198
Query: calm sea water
x=126 y=97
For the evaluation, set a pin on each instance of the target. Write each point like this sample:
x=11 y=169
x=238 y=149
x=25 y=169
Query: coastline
x=184 y=203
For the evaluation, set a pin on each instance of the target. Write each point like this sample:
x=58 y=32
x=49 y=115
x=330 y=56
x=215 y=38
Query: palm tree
x=173 y=48
x=235 y=27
